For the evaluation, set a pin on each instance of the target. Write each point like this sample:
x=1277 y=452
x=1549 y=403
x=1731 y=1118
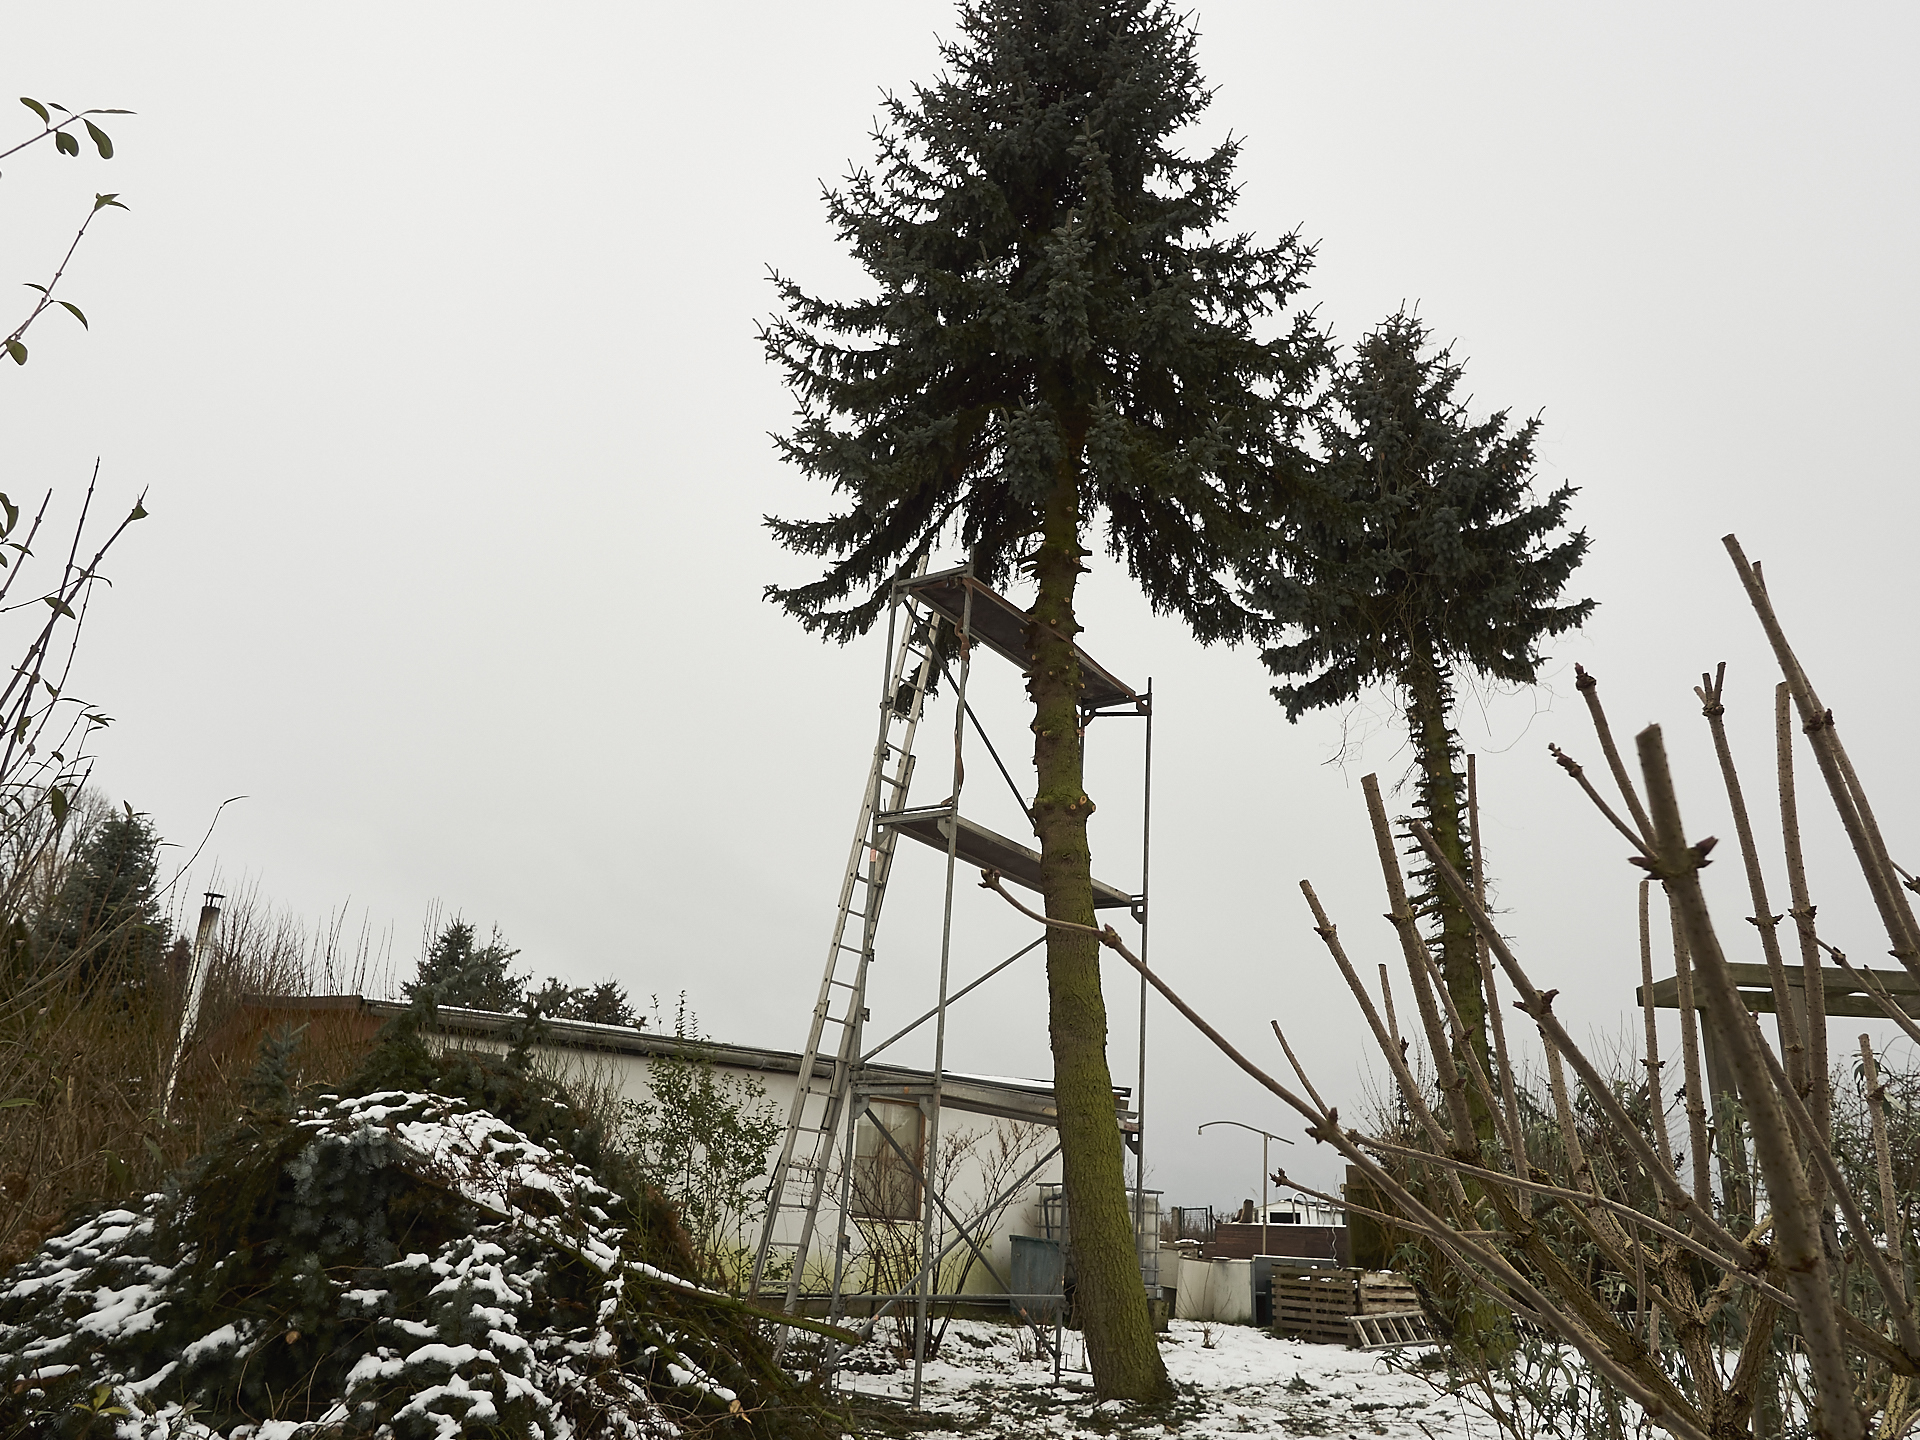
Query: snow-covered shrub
x=400 y=1263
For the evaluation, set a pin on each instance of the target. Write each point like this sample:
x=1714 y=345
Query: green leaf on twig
x=98 y=1405
x=13 y=511
x=57 y=802
x=139 y=511
x=60 y=606
x=65 y=143
x=31 y=286
x=100 y=202
x=100 y=140
x=74 y=310
x=37 y=108
x=17 y=351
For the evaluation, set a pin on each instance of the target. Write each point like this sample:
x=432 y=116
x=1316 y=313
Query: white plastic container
x=1218 y=1290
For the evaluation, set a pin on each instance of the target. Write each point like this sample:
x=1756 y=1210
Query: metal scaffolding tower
x=933 y=618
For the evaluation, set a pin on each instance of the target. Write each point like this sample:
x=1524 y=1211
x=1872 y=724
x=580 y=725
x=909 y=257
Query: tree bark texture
x=1112 y=1300
x=1797 y=1247
x=1480 y=1324
x=1429 y=696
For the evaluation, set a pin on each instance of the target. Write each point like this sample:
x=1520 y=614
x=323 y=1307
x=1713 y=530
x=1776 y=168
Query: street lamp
x=1265 y=1170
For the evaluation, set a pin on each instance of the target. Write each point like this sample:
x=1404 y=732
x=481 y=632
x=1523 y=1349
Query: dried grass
x=82 y=1074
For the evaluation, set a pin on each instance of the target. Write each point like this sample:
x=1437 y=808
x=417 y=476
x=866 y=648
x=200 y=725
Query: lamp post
x=1265 y=1171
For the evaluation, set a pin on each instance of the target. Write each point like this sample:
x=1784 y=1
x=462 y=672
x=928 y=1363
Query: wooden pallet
x=1390 y=1331
x=1317 y=1305
x=1313 y=1311
x=1383 y=1292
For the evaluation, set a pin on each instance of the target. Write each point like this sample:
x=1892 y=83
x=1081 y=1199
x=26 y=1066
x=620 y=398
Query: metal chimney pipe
x=196 y=990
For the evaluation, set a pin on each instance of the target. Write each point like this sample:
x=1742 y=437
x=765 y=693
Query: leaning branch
x=1539 y=1006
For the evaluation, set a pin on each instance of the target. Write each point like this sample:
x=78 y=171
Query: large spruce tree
x=1418 y=552
x=1060 y=337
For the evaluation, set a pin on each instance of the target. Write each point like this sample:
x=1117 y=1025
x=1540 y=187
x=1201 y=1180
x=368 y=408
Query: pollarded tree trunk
x=1112 y=1300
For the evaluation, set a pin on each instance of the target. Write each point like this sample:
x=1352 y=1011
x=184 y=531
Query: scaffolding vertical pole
x=855 y=1112
x=929 y=1158
x=1146 y=911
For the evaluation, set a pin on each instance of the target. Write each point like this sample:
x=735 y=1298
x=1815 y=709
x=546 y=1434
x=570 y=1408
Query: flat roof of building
x=1010 y=1097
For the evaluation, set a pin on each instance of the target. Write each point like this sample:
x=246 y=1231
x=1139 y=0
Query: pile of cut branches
x=400 y=1262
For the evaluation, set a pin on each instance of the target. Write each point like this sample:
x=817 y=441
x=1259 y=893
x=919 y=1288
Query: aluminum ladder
x=819 y=1102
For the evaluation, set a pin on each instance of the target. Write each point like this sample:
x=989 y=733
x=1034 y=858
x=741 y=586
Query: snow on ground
x=1234 y=1380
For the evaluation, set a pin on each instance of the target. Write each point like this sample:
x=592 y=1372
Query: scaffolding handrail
x=1002 y=626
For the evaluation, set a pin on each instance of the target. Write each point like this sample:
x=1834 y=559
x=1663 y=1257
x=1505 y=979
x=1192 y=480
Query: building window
x=884 y=1187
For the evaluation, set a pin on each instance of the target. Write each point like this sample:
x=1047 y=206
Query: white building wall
x=981 y=1156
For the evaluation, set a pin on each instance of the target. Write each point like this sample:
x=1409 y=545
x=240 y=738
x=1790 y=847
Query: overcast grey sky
x=430 y=332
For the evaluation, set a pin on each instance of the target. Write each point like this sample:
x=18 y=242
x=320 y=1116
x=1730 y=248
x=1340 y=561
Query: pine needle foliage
x=107 y=919
x=1052 y=291
x=459 y=971
x=1421 y=545
x=456 y=970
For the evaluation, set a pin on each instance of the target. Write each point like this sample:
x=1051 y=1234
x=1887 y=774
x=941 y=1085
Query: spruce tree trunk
x=1111 y=1299
x=1443 y=801
x=1480 y=1324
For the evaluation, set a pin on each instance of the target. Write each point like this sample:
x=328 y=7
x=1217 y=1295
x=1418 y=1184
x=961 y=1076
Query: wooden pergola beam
x=1844 y=994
